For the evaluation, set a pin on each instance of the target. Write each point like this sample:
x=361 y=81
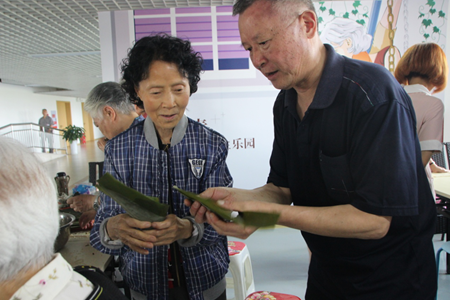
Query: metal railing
x=30 y=135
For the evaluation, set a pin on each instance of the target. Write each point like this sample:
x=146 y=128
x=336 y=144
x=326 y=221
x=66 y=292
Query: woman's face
x=165 y=94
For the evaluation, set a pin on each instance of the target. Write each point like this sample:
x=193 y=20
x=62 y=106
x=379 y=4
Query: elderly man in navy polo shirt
x=346 y=154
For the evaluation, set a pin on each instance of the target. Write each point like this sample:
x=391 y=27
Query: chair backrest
x=447 y=150
x=440 y=158
x=94 y=169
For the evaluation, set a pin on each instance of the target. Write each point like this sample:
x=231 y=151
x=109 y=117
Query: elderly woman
x=29 y=222
x=422 y=71
x=177 y=258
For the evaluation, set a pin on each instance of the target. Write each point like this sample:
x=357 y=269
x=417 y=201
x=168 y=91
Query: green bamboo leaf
x=136 y=204
x=248 y=218
x=208 y=203
x=259 y=219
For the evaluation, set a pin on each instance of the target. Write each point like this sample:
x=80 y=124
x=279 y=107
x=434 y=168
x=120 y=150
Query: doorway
x=64 y=114
x=64 y=117
x=87 y=124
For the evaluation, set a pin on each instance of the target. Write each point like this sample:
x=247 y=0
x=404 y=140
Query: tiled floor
x=279 y=256
x=76 y=165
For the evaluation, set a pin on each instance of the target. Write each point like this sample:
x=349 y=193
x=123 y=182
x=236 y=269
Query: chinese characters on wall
x=238 y=143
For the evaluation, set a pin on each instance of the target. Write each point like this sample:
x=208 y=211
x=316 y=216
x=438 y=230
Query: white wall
x=20 y=105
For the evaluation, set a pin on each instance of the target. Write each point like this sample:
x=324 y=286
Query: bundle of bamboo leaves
x=146 y=208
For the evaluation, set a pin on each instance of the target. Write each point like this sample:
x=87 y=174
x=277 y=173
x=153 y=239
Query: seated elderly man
x=113 y=113
x=29 y=225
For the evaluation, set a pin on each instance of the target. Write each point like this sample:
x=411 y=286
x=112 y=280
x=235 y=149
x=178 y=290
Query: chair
x=445 y=247
x=447 y=150
x=94 y=168
x=439 y=158
x=241 y=270
x=441 y=225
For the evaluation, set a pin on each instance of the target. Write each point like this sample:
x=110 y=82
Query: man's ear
x=109 y=112
x=309 y=18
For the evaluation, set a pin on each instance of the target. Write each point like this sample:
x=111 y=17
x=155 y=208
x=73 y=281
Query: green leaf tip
x=136 y=204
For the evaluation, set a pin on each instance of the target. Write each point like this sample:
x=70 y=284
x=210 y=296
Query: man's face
x=108 y=124
x=276 y=43
x=44 y=113
x=165 y=94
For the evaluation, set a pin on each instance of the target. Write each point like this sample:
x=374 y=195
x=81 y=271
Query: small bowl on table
x=65 y=221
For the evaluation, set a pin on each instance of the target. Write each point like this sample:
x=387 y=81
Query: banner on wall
x=54 y=119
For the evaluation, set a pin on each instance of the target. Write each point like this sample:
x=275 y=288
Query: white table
x=442 y=184
x=78 y=252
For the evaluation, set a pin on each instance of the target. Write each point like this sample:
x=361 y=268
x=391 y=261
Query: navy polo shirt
x=357 y=144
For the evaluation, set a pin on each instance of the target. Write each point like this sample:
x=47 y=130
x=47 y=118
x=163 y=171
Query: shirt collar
x=416 y=88
x=178 y=132
x=48 y=282
x=330 y=81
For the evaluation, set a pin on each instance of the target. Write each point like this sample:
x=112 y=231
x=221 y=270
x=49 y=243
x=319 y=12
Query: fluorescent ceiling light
x=64 y=54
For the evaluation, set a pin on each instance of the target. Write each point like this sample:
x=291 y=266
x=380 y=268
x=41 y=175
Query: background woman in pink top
x=422 y=71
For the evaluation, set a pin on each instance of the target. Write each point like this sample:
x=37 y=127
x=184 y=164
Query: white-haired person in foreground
x=29 y=225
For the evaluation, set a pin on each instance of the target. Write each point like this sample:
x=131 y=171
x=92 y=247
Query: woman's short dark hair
x=162 y=47
x=424 y=60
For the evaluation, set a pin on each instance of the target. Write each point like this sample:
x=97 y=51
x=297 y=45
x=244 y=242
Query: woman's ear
x=136 y=89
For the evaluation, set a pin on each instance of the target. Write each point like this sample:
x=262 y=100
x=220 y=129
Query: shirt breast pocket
x=337 y=178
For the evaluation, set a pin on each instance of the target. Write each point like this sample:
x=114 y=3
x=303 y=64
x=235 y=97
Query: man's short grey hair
x=108 y=94
x=241 y=5
x=29 y=217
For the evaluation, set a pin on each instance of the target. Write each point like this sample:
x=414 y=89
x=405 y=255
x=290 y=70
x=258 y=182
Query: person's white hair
x=108 y=93
x=340 y=29
x=29 y=217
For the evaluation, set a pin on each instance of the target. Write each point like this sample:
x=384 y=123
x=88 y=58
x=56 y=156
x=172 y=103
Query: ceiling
x=53 y=46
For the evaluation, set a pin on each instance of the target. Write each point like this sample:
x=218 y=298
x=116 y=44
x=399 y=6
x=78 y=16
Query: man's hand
x=87 y=219
x=81 y=203
x=101 y=143
x=199 y=211
x=227 y=198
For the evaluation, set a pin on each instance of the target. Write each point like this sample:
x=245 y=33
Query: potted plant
x=72 y=134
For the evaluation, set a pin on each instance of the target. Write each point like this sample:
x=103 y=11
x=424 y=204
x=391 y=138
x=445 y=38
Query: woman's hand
x=131 y=232
x=170 y=230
